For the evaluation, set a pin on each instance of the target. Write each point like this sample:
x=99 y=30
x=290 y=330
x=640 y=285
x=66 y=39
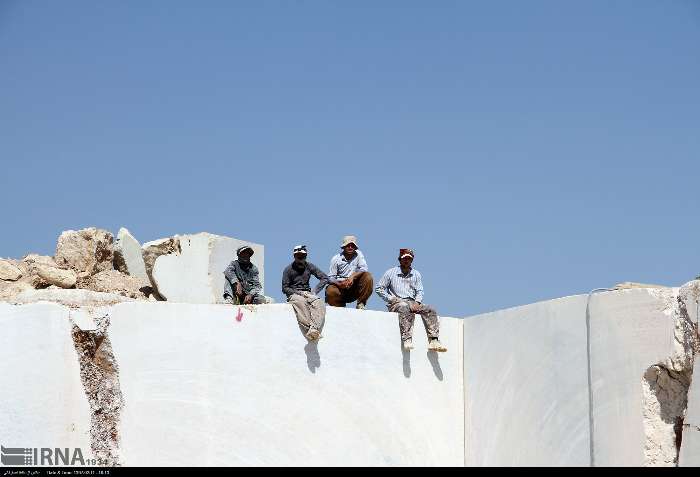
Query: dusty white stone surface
x=253 y=392
x=43 y=403
x=71 y=297
x=196 y=273
x=690 y=447
x=527 y=396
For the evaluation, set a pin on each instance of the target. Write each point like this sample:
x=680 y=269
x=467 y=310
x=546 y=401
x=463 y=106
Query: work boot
x=435 y=345
x=313 y=334
x=360 y=306
x=408 y=345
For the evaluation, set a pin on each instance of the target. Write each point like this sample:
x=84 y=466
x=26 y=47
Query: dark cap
x=245 y=247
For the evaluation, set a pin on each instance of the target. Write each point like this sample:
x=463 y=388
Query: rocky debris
x=154 y=249
x=41 y=271
x=99 y=373
x=196 y=274
x=665 y=396
x=10 y=290
x=70 y=297
x=9 y=271
x=86 y=251
x=54 y=276
x=665 y=385
x=33 y=258
x=128 y=256
x=113 y=281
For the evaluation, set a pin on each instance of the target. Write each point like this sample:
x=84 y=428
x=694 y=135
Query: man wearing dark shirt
x=308 y=307
x=242 y=284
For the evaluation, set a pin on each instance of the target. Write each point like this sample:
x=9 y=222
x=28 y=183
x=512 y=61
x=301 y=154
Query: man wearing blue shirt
x=402 y=289
x=349 y=278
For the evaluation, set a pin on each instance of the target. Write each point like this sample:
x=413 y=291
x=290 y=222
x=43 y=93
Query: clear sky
x=524 y=150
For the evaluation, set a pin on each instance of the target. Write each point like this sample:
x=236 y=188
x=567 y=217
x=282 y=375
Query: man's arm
x=383 y=287
x=230 y=274
x=322 y=278
x=256 y=288
x=361 y=264
x=333 y=271
x=286 y=282
x=419 y=287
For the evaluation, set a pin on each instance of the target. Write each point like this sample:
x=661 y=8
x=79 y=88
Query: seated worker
x=242 y=284
x=402 y=289
x=308 y=307
x=349 y=278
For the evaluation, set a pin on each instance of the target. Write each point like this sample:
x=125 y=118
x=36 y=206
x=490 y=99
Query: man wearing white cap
x=349 y=277
x=242 y=284
x=402 y=288
x=308 y=307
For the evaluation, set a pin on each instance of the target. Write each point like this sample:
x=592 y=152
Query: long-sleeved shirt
x=248 y=278
x=394 y=284
x=341 y=268
x=296 y=278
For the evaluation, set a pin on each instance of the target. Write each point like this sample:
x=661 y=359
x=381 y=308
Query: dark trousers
x=360 y=290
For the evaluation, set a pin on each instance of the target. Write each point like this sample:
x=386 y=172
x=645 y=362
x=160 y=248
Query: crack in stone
x=99 y=373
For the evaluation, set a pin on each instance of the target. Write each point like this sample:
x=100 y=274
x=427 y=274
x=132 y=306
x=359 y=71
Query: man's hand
x=344 y=284
x=414 y=307
x=239 y=289
x=248 y=299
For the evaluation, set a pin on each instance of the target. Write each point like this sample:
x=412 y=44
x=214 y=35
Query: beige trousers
x=309 y=309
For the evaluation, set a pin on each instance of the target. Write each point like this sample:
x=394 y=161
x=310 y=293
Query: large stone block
x=526 y=381
x=42 y=398
x=195 y=274
x=254 y=392
x=690 y=445
x=128 y=255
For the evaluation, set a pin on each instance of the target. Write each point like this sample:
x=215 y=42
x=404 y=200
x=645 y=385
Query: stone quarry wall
x=527 y=394
x=123 y=350
x=185 y=384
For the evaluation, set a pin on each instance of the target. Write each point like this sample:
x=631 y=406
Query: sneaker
x=360 y=306
x=313 y=334
x=435 y=345
x=408 y=344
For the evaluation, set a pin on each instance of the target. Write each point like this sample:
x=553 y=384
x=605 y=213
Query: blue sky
x=524 y=150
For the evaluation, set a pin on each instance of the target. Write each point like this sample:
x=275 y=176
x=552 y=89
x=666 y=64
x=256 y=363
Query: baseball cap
x=300 y=249
x=406 y=252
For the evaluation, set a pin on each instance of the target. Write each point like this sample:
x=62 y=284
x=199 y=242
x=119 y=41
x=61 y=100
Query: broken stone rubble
x=8 y=270
x=87 y=251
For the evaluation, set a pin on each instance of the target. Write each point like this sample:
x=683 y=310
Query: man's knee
x=427 y=310
x=334 y=296
x=365 y=278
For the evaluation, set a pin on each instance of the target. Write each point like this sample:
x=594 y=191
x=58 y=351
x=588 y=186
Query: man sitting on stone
x=308 y=307
x=242 y=285
x=402 y=288
x=349 y=277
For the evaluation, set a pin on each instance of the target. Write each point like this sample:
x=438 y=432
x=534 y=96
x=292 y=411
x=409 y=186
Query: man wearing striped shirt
x=349 y=277
x=402 y=289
